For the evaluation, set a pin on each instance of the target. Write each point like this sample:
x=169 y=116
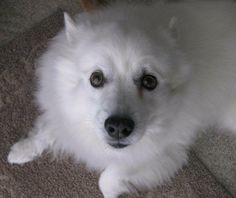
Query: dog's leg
x=37 y=141
x=118 y=179
x=112 y=183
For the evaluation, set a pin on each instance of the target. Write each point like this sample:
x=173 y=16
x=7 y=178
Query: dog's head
x=118 y=80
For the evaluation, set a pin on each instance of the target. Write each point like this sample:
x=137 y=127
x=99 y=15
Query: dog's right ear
x=70 y=27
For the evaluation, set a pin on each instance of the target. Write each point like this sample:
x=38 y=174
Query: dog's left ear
x=180 y=71
x=173 y=27
x=70 y=27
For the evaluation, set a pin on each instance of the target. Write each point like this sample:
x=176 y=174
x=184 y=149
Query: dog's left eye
x=149 y=82
x=97 y=79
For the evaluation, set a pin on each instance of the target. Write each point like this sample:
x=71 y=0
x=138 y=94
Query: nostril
x=126 y=132
x=111 y=129
x=127 y=128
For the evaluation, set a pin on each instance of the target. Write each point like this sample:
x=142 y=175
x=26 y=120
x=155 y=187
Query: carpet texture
x=18 y=15
x=47 y=178
x=218 y=152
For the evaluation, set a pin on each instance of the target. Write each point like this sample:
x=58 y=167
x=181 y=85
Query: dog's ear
x=173 y=27
x=70 y=27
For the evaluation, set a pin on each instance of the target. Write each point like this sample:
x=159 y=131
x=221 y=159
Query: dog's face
x=118 y=82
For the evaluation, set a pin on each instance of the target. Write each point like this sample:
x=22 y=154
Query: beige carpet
x=45 y=178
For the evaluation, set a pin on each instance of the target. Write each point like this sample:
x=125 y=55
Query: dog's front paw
x=111 y=184
x=22 y=152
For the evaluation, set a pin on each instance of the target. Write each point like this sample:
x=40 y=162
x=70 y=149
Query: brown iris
x=149 y=82
x=97 y=79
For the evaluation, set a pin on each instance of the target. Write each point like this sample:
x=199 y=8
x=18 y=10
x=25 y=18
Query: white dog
x=125 y=89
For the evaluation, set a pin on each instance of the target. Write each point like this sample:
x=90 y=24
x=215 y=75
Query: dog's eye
x=97 y=79
x=149 y=82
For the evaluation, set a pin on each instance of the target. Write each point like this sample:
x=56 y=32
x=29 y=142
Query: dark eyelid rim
x=153 y=72
x=146 y=72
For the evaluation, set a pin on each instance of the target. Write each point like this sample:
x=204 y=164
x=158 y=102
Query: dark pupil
x=97 y=79
x=149 y=82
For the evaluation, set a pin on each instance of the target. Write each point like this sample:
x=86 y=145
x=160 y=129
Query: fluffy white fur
x=189 y=47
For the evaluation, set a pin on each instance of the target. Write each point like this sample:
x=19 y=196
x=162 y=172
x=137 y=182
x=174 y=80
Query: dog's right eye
x=97 y=79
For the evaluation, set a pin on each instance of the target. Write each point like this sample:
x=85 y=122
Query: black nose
x=119 y=127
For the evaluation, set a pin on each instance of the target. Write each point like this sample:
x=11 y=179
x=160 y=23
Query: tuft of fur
x=189 y=47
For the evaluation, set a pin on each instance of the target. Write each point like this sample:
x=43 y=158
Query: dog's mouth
x=118 y=145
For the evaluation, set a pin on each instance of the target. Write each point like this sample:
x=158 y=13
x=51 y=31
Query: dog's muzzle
x=118 y=128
